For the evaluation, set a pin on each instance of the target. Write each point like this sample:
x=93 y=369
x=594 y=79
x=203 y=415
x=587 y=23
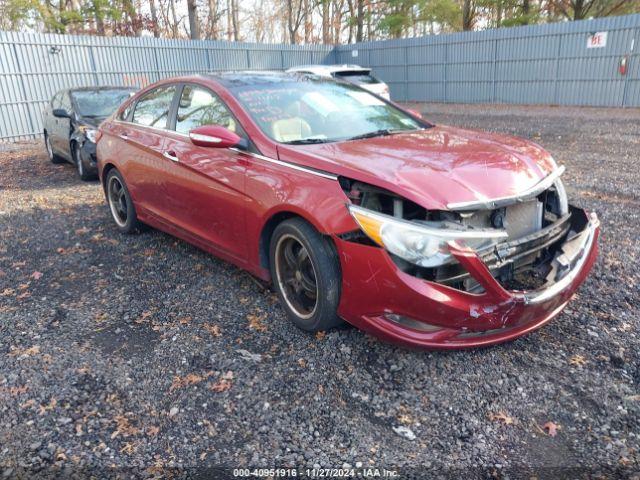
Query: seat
x=290 y=129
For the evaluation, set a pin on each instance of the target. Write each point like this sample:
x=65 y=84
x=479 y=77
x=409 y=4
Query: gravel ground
x=141 y=355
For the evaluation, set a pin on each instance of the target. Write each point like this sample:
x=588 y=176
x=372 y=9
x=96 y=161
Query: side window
x=152 y=110
x=124 y=115
x=65 y=102
x=201 y=107
x=55 y=102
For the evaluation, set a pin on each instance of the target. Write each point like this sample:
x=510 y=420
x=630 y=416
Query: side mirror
x=61 y=113
x=214 y=136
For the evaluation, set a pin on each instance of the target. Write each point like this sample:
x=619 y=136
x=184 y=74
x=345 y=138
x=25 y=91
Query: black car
x=71 y=120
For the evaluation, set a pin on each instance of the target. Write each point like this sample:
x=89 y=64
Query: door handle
x=171 y=155
x=124 y=136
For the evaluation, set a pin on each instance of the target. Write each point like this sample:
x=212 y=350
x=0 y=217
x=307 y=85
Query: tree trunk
x=467 y=15
x=325 y=22
x=174 y=18
x=99 y=17
x=154 y=19
x=234 y=20
x=194 y=28
x=213 y=19
x=360 y=20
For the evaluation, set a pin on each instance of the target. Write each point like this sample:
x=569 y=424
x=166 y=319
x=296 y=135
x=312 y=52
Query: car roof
x=249 y=77
x=100 y=87
x=329 y=69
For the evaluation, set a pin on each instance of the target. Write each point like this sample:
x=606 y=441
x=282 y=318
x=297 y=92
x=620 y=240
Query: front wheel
x=83 y=172
x=120 y=203
x=306 y=274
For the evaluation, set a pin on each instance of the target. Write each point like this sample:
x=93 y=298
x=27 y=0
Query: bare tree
x=194 y=26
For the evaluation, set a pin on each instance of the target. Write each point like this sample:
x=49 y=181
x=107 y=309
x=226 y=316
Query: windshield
x=316 y=110
x=99 y=103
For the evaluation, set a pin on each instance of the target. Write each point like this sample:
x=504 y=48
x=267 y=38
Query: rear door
x=205 y=185
x=142 y=134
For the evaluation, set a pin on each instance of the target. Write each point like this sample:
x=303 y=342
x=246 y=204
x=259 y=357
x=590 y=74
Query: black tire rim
x=118 y=202
x=296 y=276
x=47 y=143
x=79 y=161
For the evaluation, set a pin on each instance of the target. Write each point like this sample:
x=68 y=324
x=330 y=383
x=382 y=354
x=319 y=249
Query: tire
x=53 y=158
x=120 y=204
x=298 y=255
x=83 y=172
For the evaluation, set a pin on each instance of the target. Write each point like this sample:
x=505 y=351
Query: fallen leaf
x=36 y=275
x=18 y=352
x=190 y=379
x=320 y=335
x=501 y=417
x=577 y=360
x=152 y=431
x=82 y=231
x=255 y=322
x=551 y=428
x=212 y=329
x=223 y=384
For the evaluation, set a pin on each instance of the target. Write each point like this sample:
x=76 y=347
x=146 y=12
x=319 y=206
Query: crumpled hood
x=435 y=166
x=92 y=121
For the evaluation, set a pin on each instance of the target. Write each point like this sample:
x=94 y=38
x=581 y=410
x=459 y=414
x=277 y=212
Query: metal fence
x=35 y=66
x=541 y=64
x=538 y=64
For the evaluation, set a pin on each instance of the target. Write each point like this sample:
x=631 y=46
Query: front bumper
x=88 y=155
x=381 y=299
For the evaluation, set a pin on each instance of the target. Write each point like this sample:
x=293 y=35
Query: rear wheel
x=53 y=158
x=120 y=204
x=306 y=274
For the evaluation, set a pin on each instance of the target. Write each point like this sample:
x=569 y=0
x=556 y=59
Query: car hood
x=435 y=166
x=92 y=121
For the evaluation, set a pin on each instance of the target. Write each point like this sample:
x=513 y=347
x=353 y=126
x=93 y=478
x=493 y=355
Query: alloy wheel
x=296 y=276
x=117 y=201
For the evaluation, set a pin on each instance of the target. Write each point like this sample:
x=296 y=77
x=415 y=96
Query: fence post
x=495 y=70
x=557 y=73
x=635 y=33
x=406 y=73
x=92 y=60
x=248 y=58
x=27 y=103
x=446 y=62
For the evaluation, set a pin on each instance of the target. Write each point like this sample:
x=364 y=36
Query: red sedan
x=355 y=209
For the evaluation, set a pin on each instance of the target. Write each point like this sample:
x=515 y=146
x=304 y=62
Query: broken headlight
x=422 y=243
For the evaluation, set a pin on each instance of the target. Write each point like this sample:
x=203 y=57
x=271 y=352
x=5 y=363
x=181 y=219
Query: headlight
x=424 y=245
x=90 y=133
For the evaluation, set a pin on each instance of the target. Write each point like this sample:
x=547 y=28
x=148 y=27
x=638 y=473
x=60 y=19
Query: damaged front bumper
x=380 y=298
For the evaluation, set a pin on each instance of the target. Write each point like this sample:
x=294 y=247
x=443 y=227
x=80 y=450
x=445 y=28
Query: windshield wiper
x=376 y=133
x=307 y=141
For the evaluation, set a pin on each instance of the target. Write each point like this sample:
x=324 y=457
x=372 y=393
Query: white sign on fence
x=597 y=40
x=354 y=53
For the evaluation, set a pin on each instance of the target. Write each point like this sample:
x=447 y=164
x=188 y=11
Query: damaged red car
x=356 y=209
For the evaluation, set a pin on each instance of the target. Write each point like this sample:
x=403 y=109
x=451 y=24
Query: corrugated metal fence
x=538 y=64
x=541 y=64
x=35 y=66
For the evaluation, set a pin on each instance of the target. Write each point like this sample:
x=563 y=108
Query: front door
x=144 y=138
x=205 y=187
